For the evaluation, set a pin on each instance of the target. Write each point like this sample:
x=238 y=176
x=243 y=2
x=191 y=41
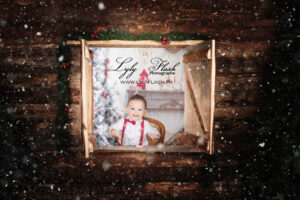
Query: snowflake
x=101 y=6
x=262 y=144
x=106 y=165
x=60 y=58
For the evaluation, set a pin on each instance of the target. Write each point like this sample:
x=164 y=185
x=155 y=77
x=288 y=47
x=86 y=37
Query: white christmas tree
x=105 y=109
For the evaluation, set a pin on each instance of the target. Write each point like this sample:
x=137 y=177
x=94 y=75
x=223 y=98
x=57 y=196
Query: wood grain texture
x=244 y=33
x=139 y=43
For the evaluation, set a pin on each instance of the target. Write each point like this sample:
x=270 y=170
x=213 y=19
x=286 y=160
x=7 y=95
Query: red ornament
x=94 y=35
x=165 y=40
x=66 y=109
x=65 y=66
x=105 y=95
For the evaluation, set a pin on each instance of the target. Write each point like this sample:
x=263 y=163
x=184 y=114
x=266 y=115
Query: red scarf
x=133 y=122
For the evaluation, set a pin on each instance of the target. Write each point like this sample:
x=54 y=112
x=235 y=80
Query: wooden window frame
x=87 y=94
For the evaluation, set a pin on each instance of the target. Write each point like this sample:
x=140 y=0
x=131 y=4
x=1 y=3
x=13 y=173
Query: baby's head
x=136 y=107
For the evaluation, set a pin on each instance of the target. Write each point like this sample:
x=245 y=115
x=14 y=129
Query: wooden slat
x=84 y=95
x=195 y=101
x=89 y=87
x=139 y=43
x=87 y=96
x=177 y=148
x=191 y=122
x=90 y=127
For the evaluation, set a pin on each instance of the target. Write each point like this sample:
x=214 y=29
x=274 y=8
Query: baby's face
x=136 y=110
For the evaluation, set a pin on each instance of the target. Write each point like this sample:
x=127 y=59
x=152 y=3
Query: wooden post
x=86 y=97
x=212 y=93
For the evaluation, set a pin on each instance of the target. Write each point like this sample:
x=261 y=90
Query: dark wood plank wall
x=30 y=32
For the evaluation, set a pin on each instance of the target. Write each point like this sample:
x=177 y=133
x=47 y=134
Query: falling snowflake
x=61 y=58
x=106 y=165
x=201 y=141
x=261 y=144
x=101 y=6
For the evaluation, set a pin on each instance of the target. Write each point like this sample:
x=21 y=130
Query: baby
x=133 y=130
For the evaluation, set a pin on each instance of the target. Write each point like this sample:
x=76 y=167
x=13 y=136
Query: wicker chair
x=160 y=127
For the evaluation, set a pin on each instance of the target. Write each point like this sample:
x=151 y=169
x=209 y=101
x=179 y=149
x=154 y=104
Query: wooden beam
x=175 y=148
x=212 y=95
x=84 y=95
x=139 y=43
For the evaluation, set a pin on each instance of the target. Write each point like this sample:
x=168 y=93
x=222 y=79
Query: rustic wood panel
x=246 y=49
x=75 y=97
x=74 y=111
x=31 y=111
x=243 y=31
x=237 y=82
x=24 y=68
x=240 y=65
x=189 y=4
x=141 y=176
x=29 y=95
x=236 y=112
x=228 y=126
x=29 y=50
x=41 y=61
x=49 y=9
x=255 y=22
x=26 y=80
x=75 y=81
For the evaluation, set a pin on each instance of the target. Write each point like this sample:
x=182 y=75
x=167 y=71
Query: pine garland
x=63 y=70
